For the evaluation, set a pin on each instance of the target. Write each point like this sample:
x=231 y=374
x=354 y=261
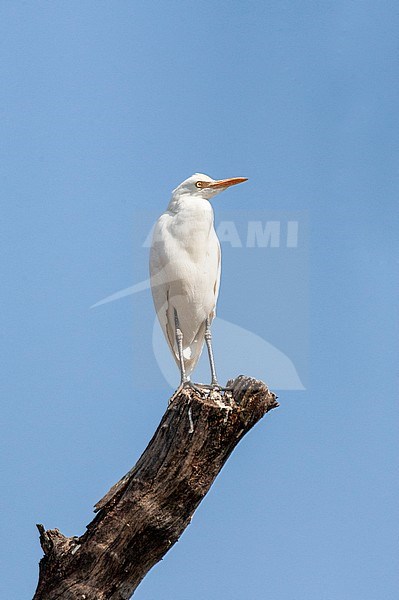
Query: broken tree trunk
x=146 y=512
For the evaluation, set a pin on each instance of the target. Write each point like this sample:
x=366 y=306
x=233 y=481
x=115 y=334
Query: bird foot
x=200 y=388
x=184 y=385
x=214 y=386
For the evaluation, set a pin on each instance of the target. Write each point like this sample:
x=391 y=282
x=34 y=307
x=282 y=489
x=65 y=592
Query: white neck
x=186 y=203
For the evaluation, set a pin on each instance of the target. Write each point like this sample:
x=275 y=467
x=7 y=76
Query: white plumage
x=185 y=263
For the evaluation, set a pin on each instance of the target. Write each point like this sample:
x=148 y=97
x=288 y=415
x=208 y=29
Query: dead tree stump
x=146 y=512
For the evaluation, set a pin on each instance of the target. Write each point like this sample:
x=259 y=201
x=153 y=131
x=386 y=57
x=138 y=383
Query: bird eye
x=199 y=184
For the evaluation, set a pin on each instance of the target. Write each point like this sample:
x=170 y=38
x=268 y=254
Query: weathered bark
x=146 y=512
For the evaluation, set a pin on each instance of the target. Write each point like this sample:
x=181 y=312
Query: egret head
x=203 y=186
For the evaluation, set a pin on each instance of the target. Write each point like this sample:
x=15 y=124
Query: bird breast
x=191 y=232
x=188 y=230
x=186 y=251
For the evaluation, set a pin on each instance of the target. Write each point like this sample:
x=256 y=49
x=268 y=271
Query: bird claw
x=200 y=388
x=183 y=385
x=211 y=387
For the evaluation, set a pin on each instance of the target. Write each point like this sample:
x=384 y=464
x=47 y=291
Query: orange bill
x=225 y=183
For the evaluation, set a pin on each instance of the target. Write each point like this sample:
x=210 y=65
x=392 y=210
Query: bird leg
x=184 y=379
x=208 y=340
x=179 y=341
x=214 y=385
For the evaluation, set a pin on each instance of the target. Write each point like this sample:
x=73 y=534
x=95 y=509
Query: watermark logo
x=264 y=284
x=259 y=234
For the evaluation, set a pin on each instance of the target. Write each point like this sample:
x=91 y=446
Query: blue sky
x=105 y=108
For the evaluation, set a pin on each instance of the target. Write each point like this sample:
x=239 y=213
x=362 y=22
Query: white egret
x=185 y=271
